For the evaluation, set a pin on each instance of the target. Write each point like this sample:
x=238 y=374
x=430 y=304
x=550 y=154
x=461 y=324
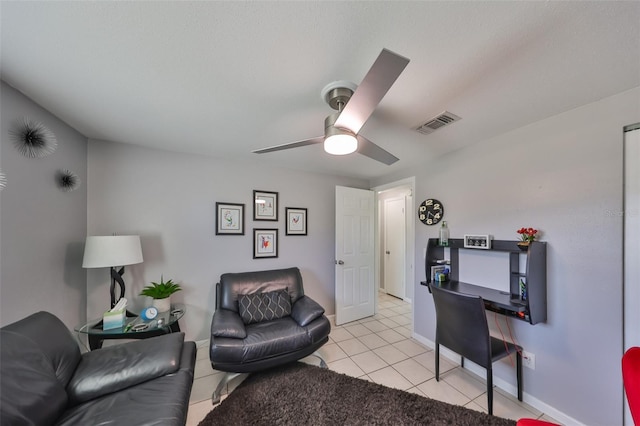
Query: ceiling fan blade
x=284 y=146
x=371 y=150
x=383 y=73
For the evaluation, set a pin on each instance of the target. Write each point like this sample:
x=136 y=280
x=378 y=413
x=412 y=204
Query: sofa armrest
x=306 y=310
x=121 y=366
x=227 y=323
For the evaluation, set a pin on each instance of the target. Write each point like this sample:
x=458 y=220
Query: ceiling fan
x=354 y=104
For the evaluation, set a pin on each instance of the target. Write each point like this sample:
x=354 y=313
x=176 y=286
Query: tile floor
x=380 y=349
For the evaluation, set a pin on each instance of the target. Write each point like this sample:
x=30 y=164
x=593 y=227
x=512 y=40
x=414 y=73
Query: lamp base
x=116 y=276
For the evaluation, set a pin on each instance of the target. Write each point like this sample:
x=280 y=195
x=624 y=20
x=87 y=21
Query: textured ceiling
x=225 y=78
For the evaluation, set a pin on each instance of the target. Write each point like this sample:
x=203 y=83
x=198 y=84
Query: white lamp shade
x=340 y=144
x=107 y=251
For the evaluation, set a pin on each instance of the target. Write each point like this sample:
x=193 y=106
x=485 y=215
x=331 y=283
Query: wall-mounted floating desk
x=533 y=309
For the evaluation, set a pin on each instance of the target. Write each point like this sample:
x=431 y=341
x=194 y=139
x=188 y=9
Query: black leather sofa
x=46 y=380
x=253 y=329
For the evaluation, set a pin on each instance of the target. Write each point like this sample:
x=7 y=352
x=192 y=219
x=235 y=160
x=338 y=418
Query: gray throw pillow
x=258 y=307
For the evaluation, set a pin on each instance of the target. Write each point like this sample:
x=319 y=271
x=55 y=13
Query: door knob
x=388 y=252
x=339 y=262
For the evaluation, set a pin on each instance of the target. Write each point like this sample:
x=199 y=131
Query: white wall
x=562 y=175
x=43 y=228
x=169 y=200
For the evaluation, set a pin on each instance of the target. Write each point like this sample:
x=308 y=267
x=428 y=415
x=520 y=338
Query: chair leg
x=322 y=363
x=215 y=397
x=437 y=362
x=462 y=361
x=519 y=374
x=490 y=390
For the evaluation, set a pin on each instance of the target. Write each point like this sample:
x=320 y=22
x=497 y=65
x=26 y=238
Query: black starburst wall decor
x=33 y=139
x=67 y=180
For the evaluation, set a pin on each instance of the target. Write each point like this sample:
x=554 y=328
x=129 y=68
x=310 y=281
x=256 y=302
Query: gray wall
x=169 y=200
x=562 y=175
x=42 y=228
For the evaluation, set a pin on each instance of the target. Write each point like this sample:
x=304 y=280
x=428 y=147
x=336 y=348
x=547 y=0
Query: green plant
x=160 y=290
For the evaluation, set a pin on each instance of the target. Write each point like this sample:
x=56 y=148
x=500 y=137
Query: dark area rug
x=301 y=394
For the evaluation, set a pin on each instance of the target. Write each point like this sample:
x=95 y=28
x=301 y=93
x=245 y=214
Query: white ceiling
x=225 y=78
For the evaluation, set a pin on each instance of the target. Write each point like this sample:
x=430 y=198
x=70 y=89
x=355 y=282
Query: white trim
x=410 y=181
x=332 y=319
x=500 y=383
x=404 y=299
x=631 y=250
x=202 y=343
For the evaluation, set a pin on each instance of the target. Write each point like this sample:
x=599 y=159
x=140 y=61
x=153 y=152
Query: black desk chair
x=461 y=325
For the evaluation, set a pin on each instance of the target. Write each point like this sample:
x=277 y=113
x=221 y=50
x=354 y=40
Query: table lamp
x=111 y=252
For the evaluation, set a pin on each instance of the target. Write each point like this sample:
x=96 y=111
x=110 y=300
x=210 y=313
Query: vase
x=162 y=305
x=523 y=245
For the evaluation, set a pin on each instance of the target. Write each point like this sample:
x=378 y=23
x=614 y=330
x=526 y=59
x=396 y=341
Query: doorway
x=395 y=270
x=394 y=246
x=631 y=215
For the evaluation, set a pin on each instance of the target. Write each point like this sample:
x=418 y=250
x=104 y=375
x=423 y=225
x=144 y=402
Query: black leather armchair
x=47 y=381
x=253 y=329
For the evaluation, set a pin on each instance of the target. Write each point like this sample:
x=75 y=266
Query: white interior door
x=355 y=250
x=394 y=246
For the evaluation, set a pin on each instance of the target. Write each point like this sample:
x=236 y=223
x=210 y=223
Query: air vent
x=435 y=123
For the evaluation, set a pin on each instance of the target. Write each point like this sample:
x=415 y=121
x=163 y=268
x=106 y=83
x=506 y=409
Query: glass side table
x=134 y=327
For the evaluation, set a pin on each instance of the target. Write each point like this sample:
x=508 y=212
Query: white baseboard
x=332 y=319
x=502 y=384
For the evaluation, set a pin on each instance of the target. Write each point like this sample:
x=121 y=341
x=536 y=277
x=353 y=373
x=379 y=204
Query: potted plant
x=527 y=236
x=161 y=293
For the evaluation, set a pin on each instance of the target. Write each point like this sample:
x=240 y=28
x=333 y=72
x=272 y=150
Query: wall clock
x=430 y=211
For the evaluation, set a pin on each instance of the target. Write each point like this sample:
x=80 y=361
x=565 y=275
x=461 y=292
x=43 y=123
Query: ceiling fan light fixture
x=341 y=144
x=338 y=141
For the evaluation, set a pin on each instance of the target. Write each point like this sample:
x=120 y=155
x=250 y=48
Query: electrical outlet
x=529 y=360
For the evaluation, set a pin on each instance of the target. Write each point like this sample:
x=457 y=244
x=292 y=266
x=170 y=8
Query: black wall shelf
x=533 y=309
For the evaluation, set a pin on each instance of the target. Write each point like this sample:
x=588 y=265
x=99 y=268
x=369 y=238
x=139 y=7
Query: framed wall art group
x=230 y=219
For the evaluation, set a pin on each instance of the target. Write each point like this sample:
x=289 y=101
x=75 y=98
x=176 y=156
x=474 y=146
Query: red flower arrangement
x=527 y=234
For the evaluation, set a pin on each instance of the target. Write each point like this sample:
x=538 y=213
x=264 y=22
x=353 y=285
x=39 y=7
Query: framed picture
x=265 y=205
x=477 y=241
x=229 y=219
x=296 y=221
x=265 y=243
